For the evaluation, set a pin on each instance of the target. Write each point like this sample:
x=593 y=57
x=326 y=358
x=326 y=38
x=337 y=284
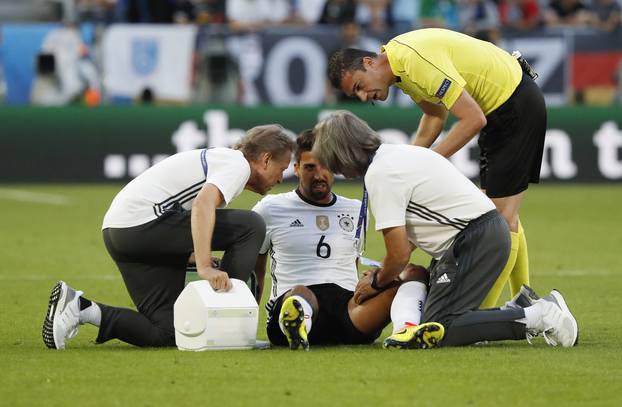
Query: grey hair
x=344 y=143
x=269 y=138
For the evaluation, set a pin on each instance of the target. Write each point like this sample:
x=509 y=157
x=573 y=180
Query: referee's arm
x=431 y=124
x=471 y=120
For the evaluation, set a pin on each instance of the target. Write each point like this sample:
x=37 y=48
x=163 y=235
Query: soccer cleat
x=62 y=320
x=292 y=319
x=423 y=336
x=559 y=326
x=525 y=297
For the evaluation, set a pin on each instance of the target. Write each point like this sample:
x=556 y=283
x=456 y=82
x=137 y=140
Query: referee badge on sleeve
x=443 y=88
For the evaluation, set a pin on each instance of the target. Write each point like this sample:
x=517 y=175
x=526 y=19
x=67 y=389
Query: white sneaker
x=62 y=320
x=559 y=326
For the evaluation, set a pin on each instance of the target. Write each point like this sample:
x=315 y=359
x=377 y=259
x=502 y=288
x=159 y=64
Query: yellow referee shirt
x=435 y=65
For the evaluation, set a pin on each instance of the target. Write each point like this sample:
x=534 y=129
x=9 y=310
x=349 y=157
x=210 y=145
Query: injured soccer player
x=313 y=239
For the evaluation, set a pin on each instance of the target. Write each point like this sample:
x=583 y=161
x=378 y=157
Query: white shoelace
x=547 y=338
x=532 y=333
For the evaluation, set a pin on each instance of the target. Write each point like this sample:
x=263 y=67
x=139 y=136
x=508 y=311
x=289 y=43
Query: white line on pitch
x=33 y=197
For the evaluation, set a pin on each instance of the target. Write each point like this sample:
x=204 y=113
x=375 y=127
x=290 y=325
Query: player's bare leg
x=375 y=313
x=509 y=207
x=308 y=295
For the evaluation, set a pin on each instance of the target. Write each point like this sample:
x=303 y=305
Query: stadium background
x=92 y=92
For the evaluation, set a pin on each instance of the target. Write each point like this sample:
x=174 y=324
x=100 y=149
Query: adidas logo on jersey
x=296 y=224
x=443 y=279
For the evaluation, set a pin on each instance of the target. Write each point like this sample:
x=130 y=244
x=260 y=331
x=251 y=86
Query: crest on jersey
x=321 y=222
x=346 y=222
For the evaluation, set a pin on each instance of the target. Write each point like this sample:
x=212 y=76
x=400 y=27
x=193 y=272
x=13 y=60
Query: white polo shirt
x=420 y=189
x=177 y=180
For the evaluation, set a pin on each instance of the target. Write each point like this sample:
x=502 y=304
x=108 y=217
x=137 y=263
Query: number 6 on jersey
x=323 y=249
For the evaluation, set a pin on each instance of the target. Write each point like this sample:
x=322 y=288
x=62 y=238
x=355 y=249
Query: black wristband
x=374 y=281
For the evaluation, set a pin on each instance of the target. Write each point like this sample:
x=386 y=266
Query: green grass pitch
x=52 y=232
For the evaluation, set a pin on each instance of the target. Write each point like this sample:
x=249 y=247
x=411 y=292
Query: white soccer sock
x=407 y=305
x=308 y=311
x=91 y=315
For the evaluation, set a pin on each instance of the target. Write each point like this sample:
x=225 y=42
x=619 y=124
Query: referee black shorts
x=332 y=326
x=512 y=143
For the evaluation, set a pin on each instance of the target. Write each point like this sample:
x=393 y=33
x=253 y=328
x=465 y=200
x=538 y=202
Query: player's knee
x=414 y=272
x=255 y=223
x=256 y=226
x=300 y=290
x=251 y=229
x=305 y=293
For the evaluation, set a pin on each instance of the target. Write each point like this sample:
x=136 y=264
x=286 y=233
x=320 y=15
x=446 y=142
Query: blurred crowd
x=63 y=53
x=481 y=18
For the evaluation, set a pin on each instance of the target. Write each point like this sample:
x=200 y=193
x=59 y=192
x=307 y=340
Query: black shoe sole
x=292 y=328
x=47 y=332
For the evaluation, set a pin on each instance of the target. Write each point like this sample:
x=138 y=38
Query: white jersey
x=310 y=243
x=420 y=189
x=177 y=180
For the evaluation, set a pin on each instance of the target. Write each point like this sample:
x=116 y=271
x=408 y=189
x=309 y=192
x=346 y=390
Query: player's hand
x=364 y=291
x=218 y=279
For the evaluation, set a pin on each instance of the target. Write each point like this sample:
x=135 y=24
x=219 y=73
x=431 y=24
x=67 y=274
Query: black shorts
x=332 y=325
x=461 y=279
x=512 y=143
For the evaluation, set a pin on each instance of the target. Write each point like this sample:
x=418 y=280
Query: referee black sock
x=90 y=312
x=84 y=303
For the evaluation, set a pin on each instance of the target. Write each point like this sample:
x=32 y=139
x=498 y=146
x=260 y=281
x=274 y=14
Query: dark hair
x=304 y=143
x=346 y=60
x=271 y=138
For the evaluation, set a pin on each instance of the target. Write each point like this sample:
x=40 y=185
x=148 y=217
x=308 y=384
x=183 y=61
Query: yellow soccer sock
x=520 y=273
x=495 y=292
